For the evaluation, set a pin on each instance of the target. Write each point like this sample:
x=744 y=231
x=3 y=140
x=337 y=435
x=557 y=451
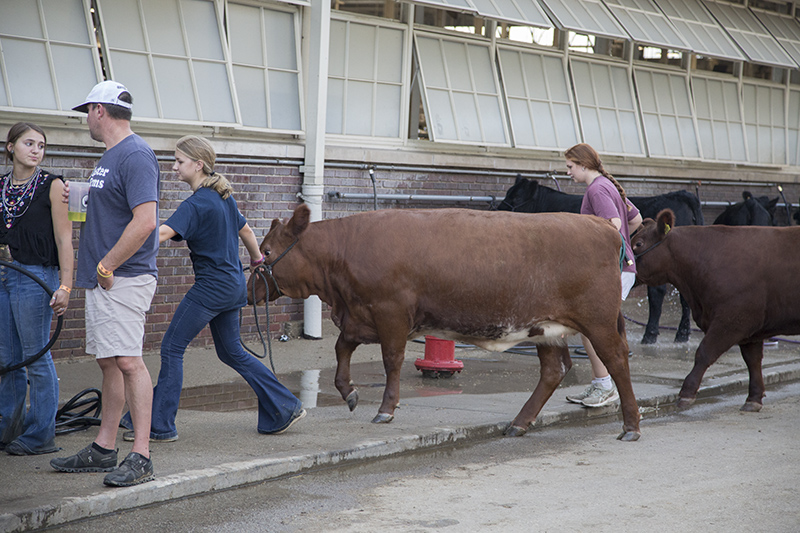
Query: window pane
x=201 y=22
x=133 y=71
x=163 y=24
x=387 y=114
x=253 y=101
x=214 y=92
x=123 y=25
x=390 y=62
x=75 y=73
x=280 y=40
x=442 y=122
x=335 y=108
x=65 y=21
x=245 y=24
x=359 y=108
x=28 y=74
x=174 y=83
x=284 y=103
x=21 y=19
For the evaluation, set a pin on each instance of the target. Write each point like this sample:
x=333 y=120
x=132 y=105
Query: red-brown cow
x=741 y=284
x=492 y=279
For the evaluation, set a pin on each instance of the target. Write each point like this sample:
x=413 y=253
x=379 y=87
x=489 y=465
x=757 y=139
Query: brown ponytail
x=584 y=155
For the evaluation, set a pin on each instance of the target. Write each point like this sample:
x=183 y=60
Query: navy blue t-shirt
x=210 y=226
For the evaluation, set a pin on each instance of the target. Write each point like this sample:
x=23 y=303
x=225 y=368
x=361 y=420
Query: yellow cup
x=78 y=200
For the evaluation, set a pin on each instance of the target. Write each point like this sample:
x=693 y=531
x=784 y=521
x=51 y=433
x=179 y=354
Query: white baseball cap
x=105 y=92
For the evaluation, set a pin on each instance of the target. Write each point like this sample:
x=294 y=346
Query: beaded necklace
x=18 y=198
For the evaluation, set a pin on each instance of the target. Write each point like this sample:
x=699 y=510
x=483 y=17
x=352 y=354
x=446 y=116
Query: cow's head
x=646 y=242
x=521 y=193
x=279 y=238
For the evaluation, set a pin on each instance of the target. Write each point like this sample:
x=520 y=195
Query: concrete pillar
x=316 y=108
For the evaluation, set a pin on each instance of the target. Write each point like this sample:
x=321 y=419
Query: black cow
x=528 y=196
x=749 y=212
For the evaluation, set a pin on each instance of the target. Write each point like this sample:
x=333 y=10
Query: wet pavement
x=219 y=447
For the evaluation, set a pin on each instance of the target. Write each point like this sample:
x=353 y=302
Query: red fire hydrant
x=439 y=359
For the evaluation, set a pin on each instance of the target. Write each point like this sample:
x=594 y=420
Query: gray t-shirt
x=126 y=176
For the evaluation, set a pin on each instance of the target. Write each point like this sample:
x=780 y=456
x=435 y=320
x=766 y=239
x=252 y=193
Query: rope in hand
x=265 y=345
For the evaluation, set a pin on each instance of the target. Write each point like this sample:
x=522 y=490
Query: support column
x=316 y=108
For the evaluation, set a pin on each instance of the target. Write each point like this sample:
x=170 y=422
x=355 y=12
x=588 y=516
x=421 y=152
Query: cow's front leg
x=685 y=325
x=393 y=352
x=554 y=362
x=344 y=383
x=714 y=344
x=753 y=354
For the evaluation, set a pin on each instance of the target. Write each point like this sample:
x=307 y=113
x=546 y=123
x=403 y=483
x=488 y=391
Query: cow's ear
x=665 y=221
x=300 y=219
x=275 y=223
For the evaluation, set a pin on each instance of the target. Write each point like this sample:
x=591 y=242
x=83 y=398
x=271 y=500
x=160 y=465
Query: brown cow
x=741 y=285
x=493 y=279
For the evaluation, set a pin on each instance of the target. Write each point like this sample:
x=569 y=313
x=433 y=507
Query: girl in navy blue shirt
x=211 y=224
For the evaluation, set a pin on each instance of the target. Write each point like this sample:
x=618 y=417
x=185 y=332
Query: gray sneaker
x=600 y=397
x=578 y=398
x=87 y=460
x=134 y=469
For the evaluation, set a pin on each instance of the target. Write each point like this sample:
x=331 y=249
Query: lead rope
x=265 y=345
x=260 y=269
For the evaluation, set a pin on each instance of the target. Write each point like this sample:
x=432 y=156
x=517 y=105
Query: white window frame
x=663 y=123
x=585 y=16
x=721 y=128
x=766 y=135
x=113 y=65
x=346 y=79
x=700 y=29
x=461 y=136
x=646 y=24
x=751 y=36
x=601 y=142
x=64 y=92
x=296 y=12
x=547 y=138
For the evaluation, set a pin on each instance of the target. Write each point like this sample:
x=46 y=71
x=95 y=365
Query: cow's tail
x=621 y=324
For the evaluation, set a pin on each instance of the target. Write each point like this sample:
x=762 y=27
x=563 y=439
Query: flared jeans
x=276 y=404
x=25 y=318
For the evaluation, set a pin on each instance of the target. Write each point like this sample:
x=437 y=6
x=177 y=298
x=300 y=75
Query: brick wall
x=265 y=191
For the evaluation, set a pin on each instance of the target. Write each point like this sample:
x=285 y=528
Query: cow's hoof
x=751 y=407
x=514 y=431
x=352 y=400
x=684 y=403
x=629 y=436
x=649 y=339
x=382 y=418
x=682 y=338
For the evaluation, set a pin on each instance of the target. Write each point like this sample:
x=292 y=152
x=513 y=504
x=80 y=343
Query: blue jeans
x=25 y=318
x=276 y=404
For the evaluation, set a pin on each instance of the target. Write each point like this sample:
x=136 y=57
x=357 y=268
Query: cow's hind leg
x=612 y=349
x=753 y=354
x=554 y=362
x=344 y=384
x=393 y=352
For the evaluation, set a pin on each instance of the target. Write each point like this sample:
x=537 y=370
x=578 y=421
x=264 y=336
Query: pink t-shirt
x=603 y=200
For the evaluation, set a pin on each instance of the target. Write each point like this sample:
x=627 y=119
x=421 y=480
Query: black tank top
x=31 y=238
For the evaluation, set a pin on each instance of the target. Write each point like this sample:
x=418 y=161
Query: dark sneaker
x=134 y=469
x=130 y=436
x=294 y=419
x=88 y=459
x=17 y=448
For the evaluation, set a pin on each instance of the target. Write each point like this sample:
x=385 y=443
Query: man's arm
x=136 y=233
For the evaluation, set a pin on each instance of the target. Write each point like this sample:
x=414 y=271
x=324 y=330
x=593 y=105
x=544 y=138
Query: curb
x=237 y=474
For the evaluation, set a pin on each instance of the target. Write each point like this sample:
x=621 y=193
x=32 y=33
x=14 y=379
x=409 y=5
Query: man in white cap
x=117 y=267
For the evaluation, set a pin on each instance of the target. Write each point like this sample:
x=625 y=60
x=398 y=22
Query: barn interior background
x=333 y=103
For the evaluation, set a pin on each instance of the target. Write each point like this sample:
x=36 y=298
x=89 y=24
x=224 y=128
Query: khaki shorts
x=115 y=318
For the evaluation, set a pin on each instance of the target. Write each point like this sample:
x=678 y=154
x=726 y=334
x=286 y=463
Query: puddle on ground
x=492 y=372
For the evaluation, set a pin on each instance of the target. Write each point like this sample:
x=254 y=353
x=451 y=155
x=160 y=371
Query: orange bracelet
x=65 y=289
x=103 y=271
